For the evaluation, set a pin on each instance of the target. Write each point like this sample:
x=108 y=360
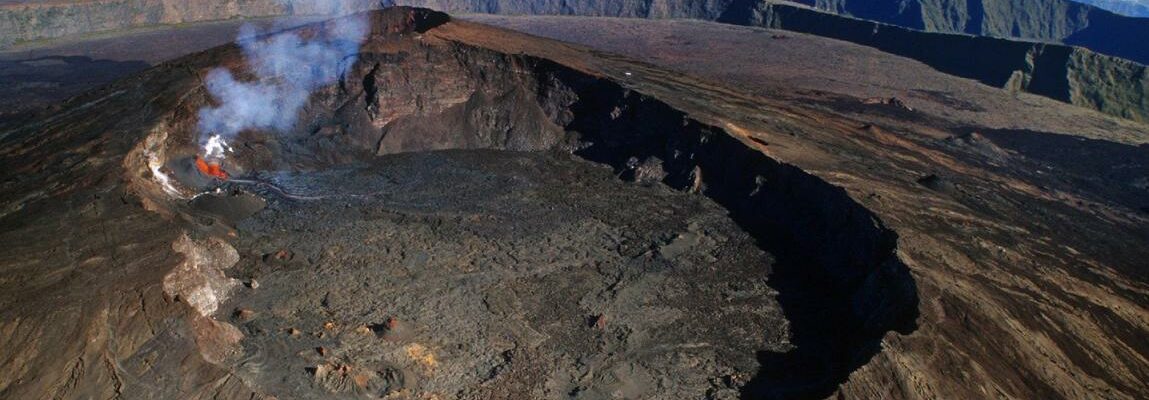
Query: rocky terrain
x=745 y=242
x=506 y=274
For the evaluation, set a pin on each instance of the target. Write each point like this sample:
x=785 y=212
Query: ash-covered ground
x=915 y=254
x=495 y=273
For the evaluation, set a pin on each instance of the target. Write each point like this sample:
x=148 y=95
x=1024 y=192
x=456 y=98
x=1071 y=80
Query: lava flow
x=210 y=168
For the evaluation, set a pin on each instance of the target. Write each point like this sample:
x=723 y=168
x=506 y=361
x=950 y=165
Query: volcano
x=470 y=212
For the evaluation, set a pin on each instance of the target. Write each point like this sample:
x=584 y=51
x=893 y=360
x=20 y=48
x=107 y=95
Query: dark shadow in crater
x=839 y=280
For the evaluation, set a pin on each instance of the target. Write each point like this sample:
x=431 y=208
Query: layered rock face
x=1071 y=74
x=1059 y=21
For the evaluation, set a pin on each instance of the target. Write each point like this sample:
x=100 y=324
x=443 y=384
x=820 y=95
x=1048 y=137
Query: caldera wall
x=840 y=281
x=1073 y=75
x=1055 y=21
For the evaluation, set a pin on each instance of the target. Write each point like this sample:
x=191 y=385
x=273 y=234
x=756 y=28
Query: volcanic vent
x=444 y=218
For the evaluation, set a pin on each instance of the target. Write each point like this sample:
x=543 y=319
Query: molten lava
x=210 y=168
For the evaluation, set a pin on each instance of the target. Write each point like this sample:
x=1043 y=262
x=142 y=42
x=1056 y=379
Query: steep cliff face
x=1070 y=74
x=1059 y=21
x=1090 y=85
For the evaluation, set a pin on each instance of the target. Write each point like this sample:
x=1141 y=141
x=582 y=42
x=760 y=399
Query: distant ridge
x=1102 y=78
x=1069 y=74
x=1056 y=21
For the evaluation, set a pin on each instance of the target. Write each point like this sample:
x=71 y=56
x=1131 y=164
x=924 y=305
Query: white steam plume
x=287 y=69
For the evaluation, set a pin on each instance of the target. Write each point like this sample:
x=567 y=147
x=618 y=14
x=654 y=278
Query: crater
x=537 y=230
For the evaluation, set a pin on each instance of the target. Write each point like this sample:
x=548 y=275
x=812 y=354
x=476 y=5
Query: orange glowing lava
x=210 y=169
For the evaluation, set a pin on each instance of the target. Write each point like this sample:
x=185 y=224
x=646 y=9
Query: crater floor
x=493 y=273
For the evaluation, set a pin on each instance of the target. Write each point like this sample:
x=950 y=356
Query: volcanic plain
x=473 y=212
